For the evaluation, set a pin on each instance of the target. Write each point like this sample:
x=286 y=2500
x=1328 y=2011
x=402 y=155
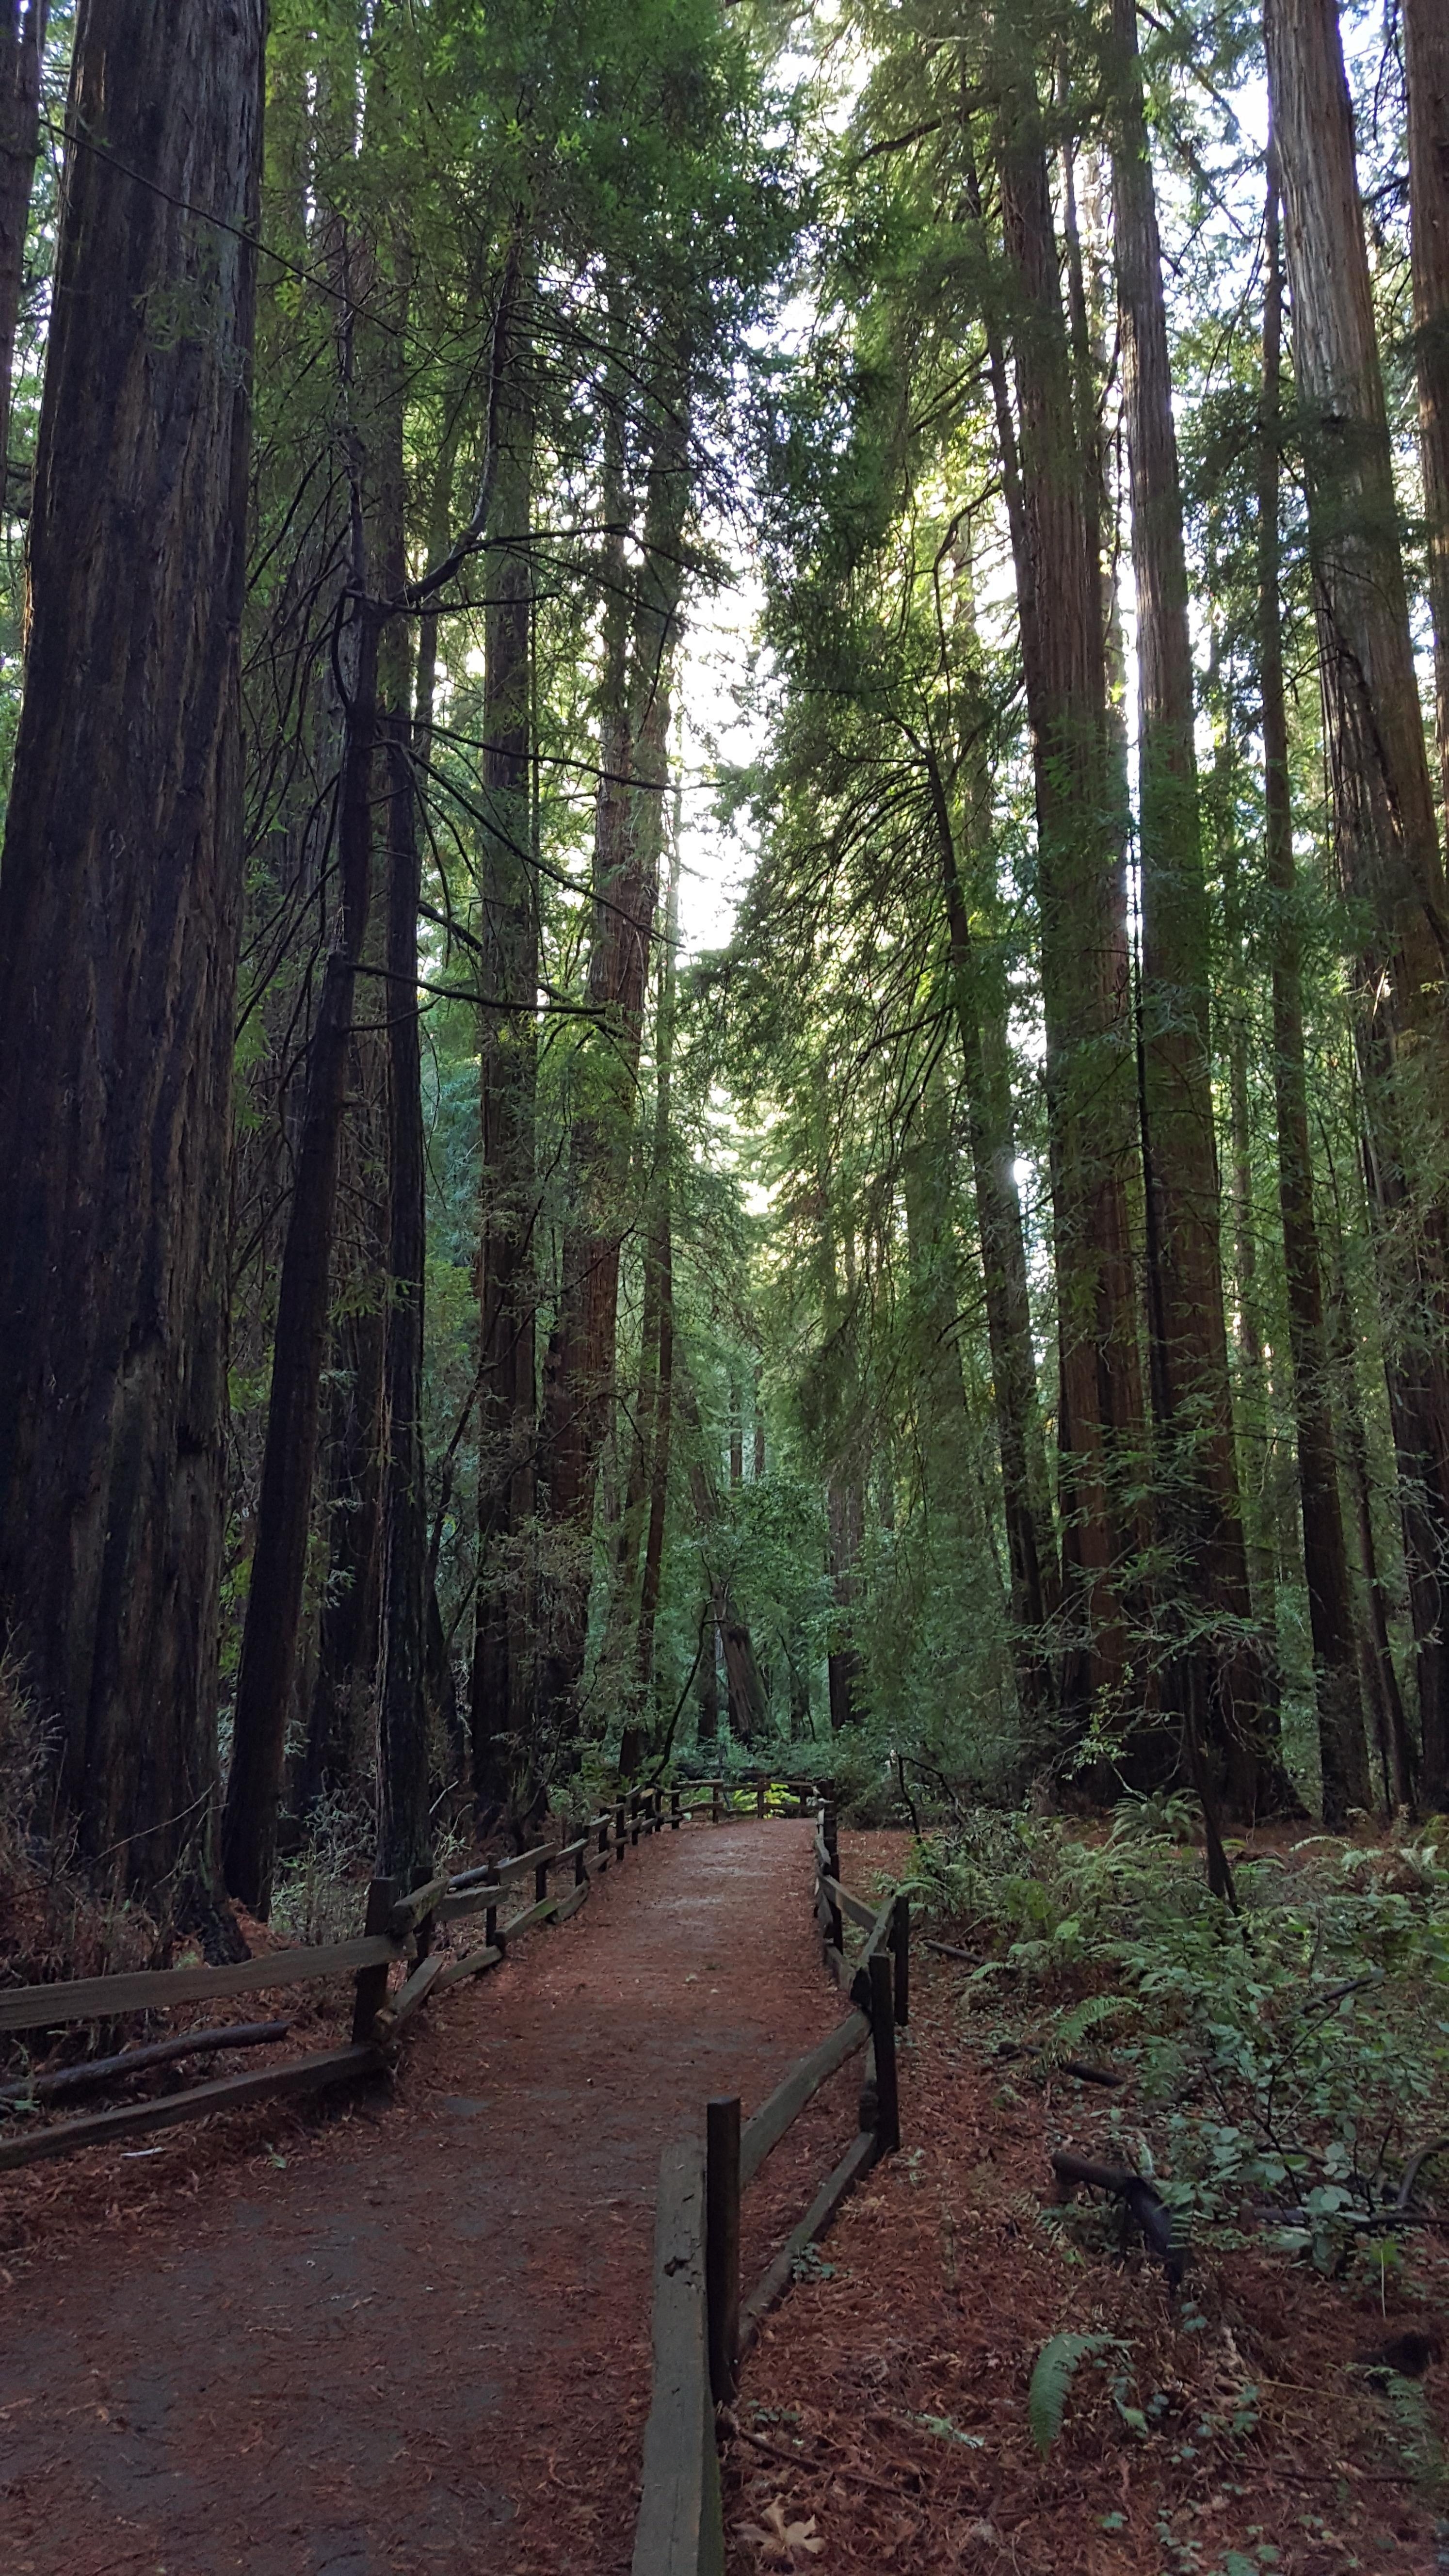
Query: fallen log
x=1140 y=2196
x=65 y=2080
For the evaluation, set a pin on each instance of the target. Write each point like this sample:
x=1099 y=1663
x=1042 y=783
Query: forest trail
x=424 y=2343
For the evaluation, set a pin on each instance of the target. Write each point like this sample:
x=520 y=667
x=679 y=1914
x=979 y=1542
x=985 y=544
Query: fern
x=1070 y=2028
x=1057 y=2365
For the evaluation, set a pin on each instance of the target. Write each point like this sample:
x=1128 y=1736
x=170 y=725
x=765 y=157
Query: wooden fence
x=701 y=2325
x=396 y=1929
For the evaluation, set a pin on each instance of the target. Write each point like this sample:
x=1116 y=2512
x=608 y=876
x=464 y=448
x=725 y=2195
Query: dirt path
x=422 y=2344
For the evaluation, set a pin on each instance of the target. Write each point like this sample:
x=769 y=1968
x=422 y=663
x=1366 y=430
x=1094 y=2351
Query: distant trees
x=514 y=1343
x=968 y=398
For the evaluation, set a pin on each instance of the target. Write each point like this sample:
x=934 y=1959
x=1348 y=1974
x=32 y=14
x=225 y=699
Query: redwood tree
x=1426 y=69
x=1383 y=814
x=1325 y=1552
x=1197 y=1481
x=1084 y=963
x=119 y=903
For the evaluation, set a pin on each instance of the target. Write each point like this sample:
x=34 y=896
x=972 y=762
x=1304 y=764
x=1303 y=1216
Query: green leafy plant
x=1053 y=2374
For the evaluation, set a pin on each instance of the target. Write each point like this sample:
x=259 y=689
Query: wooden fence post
x=619 y=1834
x=581 y=1865
x=674 y=1815
x=680 y=2531
x=883 y=2034
x=760 y=1788
x=604 y=1839
x=830 y=1835
x=634 y=1816
x=371 y=1991
x=722 y=2244
x=901 y=1953
x=715 y=1803
x=540 y=1882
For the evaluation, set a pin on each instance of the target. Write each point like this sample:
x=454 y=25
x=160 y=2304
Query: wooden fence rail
x=702 y=2324
x=398 y=1929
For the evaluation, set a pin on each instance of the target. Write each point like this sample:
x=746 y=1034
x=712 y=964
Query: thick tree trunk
x=22 y=53
x=1384 y=825
x=404 y=1843
x=1198 y=1502
x=348 y=1623
x=1426 y=67
x=579 y=1373
x=1085 y=979
x=504 y=1652
x=660 y=1260
x=119 y=904
x=1030 y=1548
x=279 y=1556
x=1343 y=1753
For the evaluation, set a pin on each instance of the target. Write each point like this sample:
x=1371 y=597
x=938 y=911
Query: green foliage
x=1283 y=2061
x=1053 y=2373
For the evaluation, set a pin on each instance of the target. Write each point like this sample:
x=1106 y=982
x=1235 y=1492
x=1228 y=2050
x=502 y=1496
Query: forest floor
x=884 y=2410
x=412 y=2334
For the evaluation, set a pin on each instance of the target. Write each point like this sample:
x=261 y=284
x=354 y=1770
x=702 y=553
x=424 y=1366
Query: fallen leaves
x=780 y=2539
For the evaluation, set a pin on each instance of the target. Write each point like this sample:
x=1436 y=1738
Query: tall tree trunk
x=119 y=905
x=503 y=1643
x=1030 y=1548
x=660 y=1257
x=1199 y=1505
x=1378 y=1672
x=279 y=1557
x=404 y=1843
x=22 y=55
x=579 y=1373
x=348 y=1623
x=1384 y=826
x=1343 y=1753
x=1085 y=981
x=1426 y=67
x=749 y=1706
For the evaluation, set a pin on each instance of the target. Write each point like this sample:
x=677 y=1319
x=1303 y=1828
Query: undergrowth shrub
x=56 y=1920
x=1287 y=2059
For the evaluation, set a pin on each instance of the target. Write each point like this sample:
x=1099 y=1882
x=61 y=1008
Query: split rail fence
x=702 y=2328
x=396 y=1928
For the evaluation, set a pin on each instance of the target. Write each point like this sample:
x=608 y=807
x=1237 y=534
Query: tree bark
x=1030 y=1547
x=660 y=1257
x=404 y=1842
x=579 y=1372
x=22 y=56
x=1085 y=978
x=1426 y=68
x=1384 y=826
x=1199 y=1507
x=279 y=1556
x=1343 y=1753
x=119 y=904
x=504 y=1644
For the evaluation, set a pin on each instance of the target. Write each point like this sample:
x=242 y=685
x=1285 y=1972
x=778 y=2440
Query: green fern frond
x=1057 y=2365
x=1070 y=2028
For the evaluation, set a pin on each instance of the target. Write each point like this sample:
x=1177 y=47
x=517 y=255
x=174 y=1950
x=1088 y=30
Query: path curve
x=423 y=2344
